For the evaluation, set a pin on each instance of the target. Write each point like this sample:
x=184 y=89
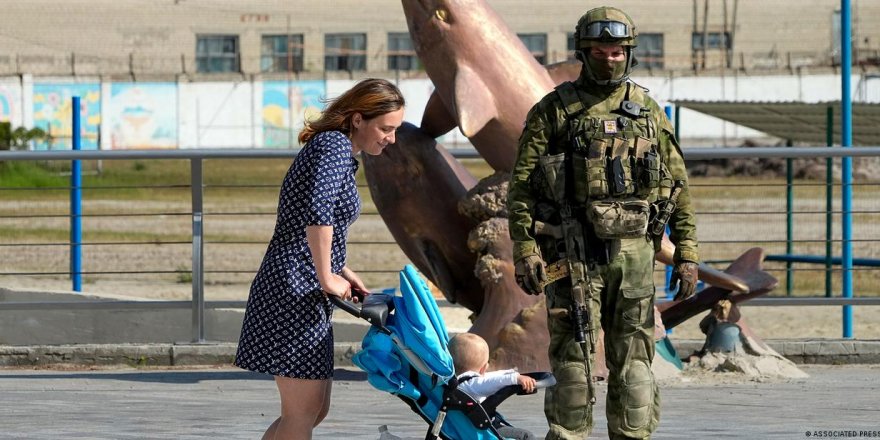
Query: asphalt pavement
x=834 y=402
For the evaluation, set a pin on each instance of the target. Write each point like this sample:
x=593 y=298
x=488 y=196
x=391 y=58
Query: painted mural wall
x=286 y=105
x=270 y=114
x=10 y=102
x=142 y=115
x=52 y=112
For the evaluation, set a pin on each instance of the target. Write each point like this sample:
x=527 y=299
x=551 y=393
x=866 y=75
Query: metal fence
x=142 y=65
x=215 y=239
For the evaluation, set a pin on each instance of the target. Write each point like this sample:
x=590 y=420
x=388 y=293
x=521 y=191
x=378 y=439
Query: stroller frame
x=405 y=353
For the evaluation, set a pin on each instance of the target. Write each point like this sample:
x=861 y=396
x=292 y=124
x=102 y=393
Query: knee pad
x=567 y=403
x=638 y=398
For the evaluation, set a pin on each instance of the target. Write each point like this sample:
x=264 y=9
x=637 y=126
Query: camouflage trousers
x=622 y=299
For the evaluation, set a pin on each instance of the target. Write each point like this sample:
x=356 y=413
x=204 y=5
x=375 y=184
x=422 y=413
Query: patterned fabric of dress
x=287 y=329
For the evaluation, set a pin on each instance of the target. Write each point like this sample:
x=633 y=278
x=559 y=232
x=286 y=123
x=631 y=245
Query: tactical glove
x=685 y=276
x=530 y=274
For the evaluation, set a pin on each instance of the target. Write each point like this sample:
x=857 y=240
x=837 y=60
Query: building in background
x=211 y=39
x=231 y=73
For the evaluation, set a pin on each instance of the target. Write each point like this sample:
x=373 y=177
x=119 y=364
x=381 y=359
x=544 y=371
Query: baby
x=470 y=355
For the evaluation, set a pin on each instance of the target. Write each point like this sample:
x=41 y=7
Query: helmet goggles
x=606 y=29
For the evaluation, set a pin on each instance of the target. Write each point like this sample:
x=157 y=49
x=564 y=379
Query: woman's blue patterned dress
x=287 y=329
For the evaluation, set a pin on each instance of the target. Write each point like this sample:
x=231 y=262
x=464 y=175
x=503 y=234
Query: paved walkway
x=233 y=404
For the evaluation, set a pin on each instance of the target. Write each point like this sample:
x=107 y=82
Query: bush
x=19 y=138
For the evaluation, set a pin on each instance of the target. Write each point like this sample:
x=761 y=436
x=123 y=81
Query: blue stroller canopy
x=415 y=331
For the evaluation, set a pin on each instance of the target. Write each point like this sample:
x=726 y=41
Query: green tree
x=18 y=139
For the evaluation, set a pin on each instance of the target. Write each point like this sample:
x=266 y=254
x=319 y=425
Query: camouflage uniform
x=622 y=289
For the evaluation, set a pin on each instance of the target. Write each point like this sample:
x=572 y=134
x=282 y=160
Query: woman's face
x=372 y=135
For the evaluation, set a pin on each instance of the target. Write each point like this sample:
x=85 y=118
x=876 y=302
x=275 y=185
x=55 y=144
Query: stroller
x=405 y=353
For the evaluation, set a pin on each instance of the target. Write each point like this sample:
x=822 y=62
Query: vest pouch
x=619 y=219
x=580 y=167
x=553 y=170
x=596 y=178
x=648 y=172
x=626 y=169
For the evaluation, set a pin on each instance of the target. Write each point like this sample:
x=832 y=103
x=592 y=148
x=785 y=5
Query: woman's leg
x=326 y=407
x=304 y=404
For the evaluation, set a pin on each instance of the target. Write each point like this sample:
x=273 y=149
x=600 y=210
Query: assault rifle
x=574 y=265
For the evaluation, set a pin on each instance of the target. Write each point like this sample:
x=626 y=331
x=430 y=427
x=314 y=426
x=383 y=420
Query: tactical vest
x=607 y=163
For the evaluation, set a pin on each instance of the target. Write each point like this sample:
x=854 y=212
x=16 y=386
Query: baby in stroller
x=470 y=354
x=406 y=353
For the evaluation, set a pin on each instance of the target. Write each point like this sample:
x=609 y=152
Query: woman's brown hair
x=370 y=97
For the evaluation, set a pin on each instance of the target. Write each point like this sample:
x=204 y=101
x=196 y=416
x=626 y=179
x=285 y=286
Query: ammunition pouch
x=599 y=176
x=619 y=219
x=647 y=173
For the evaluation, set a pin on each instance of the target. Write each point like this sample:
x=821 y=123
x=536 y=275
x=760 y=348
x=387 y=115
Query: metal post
x=829 y=200
x=76 y=201
x=789 y=220
x=668 y=271
x=677 y=122
x=198 y=274
x=846 y=168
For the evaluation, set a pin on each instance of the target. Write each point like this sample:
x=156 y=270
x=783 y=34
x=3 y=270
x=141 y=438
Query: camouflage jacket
x=546 y=130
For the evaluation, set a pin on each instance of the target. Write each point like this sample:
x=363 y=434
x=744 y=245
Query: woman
x=287 y=330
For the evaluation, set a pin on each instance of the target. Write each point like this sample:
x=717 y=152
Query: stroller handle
x=348 y=306
x=543 y=379
x=373 y=308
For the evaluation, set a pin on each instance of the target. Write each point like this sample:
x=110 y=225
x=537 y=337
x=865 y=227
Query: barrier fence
x=404 y=63
x=154 y=235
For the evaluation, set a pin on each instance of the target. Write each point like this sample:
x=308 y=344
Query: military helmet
x=605 y=25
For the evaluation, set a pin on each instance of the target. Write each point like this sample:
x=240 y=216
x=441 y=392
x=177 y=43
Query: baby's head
x=469 y=352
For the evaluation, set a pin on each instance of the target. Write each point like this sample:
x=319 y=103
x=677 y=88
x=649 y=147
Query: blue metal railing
x=76 y=203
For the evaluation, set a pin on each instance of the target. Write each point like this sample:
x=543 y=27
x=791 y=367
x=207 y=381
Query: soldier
x=597 y=177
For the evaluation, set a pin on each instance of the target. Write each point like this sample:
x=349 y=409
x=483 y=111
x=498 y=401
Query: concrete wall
x=115 y=326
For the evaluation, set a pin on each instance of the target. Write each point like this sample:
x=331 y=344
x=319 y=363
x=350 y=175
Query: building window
x=401 y=55
x=714 y=40
x=345 y=52
x=537 y=45
x=570 y=45
x=217 y=53
x=282 y=53
x=649 y=52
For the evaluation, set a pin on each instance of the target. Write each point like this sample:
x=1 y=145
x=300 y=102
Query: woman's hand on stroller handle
x=358 y=294
x=355 y=296
x=336 y=285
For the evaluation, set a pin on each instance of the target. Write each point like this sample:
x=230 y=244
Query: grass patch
x=55 y=235
x=17 y=174
x=184 y=275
